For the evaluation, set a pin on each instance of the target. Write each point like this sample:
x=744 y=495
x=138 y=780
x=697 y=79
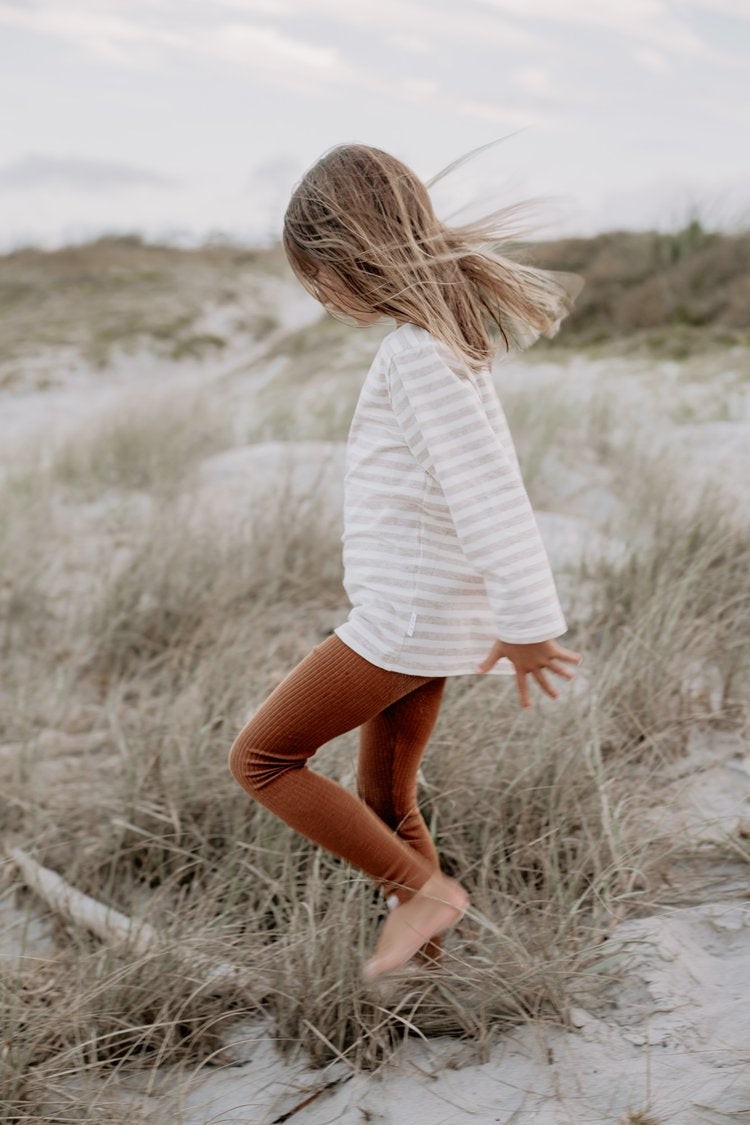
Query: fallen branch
x=118 y=929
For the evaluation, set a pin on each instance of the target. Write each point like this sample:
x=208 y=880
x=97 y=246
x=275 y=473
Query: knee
x=253 y=763
x=243 y=762
x=236 y=761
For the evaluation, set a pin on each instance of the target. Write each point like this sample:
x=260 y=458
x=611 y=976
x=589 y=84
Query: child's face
x=336 y=298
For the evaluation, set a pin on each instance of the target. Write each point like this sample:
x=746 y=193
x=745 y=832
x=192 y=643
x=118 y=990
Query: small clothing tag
x=412 y=622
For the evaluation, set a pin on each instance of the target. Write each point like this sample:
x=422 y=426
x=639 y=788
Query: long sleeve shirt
x=442 y=553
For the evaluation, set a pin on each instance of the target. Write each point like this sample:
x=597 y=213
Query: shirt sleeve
x=444 y=424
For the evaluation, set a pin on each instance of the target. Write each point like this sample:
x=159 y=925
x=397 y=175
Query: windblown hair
x=367 y=218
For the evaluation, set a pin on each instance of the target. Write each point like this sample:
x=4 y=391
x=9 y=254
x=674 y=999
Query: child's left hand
x=532 y=659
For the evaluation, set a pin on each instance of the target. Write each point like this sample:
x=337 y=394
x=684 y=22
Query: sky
x=188 y=121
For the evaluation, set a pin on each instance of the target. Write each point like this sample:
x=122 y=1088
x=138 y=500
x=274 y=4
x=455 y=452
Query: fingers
x=564 y=672
x=541 y=679
x=523 y=689
x=550 y=663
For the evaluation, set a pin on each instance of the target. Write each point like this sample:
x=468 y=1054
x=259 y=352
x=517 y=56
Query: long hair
x=369 y=220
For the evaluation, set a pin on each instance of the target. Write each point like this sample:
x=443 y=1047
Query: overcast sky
x=181 y=119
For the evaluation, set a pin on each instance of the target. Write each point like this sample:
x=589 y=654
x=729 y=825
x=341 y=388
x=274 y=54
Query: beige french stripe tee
x=441 y=550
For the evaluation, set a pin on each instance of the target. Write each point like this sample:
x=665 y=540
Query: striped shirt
x=441 y=550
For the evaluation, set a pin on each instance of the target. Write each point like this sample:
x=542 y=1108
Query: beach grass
x=537 y=813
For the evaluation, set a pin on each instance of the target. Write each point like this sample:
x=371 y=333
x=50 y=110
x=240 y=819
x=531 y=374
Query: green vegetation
x=660 y=293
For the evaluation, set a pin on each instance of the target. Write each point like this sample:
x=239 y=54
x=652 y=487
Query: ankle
x=435 y=880
x=443 y=887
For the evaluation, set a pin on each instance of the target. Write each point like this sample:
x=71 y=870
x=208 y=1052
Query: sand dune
x=670 y=1036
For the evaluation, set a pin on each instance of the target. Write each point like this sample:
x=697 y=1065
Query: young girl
x=444 y=565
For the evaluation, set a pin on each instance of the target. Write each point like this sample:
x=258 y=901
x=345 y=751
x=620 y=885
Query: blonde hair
x=366 y=217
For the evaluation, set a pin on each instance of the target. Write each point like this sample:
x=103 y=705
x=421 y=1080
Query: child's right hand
x=531 y=659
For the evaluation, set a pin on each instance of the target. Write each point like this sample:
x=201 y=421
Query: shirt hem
x=390 y=666
x=531 y=638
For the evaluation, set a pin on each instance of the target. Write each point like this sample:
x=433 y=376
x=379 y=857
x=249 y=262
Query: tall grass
x=149 y=445
x=681 y=596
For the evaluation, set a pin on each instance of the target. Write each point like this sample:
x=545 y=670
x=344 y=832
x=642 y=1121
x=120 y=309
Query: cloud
x=655 y=22
x=737 y=8
x=486 y=110
x=265 y=7
x=121 y=29
x=274 y=178
x=148 y=30
x=280 y=58
x=106 y=34
x=78 y=173
x=533 y=79
x=652 y=60
x=416 y=44
x=428 y=22
x=262 y=39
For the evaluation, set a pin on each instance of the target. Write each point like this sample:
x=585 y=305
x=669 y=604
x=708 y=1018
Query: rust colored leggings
x=333 y=690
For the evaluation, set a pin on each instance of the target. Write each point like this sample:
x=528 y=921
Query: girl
x=444 y=564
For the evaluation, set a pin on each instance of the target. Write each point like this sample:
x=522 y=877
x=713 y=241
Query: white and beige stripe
x=442 y=552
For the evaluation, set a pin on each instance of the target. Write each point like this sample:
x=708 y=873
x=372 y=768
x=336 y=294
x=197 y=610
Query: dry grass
x=152 y=446
x=164 y=654
x=120 y=293
x=136 y=638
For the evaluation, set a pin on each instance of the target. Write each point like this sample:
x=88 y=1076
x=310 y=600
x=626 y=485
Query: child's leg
x=332 y=690
x=391 y=746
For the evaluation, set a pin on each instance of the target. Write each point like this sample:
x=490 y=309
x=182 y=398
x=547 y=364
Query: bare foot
x=429 y=955
x=437 y=905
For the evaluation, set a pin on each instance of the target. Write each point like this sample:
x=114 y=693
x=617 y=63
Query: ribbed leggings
x=332 y=690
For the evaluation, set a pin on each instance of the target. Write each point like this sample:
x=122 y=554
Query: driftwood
x=119 y=930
